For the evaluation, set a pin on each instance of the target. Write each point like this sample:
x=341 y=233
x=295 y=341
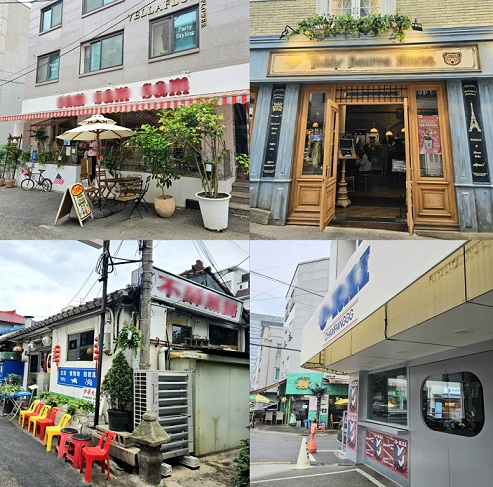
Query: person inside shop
x=398 y=150
x=384 y=155
x=93 y=153
x=292 y=419
x=364 y=161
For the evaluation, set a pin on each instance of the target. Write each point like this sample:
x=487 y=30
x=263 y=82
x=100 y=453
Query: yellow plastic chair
x=52 y=431
x=34 y=419
x=31 y=409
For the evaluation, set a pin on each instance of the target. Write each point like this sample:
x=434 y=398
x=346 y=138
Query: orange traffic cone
x=312 y=446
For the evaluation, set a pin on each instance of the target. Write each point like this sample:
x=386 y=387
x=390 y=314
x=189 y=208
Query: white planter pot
x=215 y=211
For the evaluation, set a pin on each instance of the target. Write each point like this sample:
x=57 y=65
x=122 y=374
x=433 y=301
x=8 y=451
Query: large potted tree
x=118 y=388
x=12 y=163
x=155 y=148
x=200 y=130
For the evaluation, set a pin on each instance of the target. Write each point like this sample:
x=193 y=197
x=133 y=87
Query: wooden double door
x=430 y=194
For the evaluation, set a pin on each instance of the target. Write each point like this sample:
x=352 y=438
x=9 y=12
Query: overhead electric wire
x=285 y=283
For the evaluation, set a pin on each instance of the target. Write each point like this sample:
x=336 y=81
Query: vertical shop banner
x=475 y=135
x=274 y=130
x=352 y=412
x=389 y=451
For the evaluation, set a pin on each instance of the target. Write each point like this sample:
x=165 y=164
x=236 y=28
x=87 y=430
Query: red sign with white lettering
x=188 y=294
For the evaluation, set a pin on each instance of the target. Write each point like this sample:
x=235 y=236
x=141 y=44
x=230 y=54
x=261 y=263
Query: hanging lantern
x=95 y=355
x=56 y=354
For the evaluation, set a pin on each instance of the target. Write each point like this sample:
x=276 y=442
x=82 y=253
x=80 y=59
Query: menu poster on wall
x=429 y=135
x=353 y=397
x=274 y=130
x=389 y=451
x=475 y=134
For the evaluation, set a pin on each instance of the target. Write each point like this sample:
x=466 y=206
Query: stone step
x=239 y=209
x=241 y=186
x=238 y=197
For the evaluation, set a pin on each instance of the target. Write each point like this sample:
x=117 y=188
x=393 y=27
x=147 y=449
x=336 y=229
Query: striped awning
x=225 y=98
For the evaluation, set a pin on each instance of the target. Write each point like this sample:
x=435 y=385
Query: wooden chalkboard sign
x=76 y=197
x=274 y=130
x=398 y=166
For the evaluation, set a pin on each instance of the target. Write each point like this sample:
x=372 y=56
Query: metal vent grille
x=166 y=394
x=355 y=94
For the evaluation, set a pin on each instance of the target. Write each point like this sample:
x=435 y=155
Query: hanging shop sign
x=274 y=130
x=352 y=425
x=300 y=383
x=186 y=294
x=326 y=62
x=389 y=451
x=475 y=133
x=75 y=377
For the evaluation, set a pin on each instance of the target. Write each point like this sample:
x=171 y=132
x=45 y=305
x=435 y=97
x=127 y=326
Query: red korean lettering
x=160 y=90
x=169 y=287
x=179 y=86
x=230 y=308
x=98 y=97
x=146 y=91
x=193 y=295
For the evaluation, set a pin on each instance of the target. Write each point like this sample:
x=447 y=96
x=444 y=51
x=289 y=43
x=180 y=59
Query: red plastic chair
x=100 y=453
x=36 y=411
x=43 y=423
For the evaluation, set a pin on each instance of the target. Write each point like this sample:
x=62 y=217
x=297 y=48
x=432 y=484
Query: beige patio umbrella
x=97 y=127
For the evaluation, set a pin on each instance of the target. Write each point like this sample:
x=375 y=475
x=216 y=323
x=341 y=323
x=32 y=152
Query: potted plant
x=12 y=162
x=155 y=148
x=12 y=385
x=42 y=158
x=243 y=161
x=3 y=164
x=199 y=129
x=129 y=338
x=39 y=135
x=118 y=388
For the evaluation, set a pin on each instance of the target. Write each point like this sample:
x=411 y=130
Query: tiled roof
x=12 y=317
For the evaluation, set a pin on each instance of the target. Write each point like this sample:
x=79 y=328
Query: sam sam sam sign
x=186 y=294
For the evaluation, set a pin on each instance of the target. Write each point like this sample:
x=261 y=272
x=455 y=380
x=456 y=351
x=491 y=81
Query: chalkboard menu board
x=274 y=129
x=475 y=133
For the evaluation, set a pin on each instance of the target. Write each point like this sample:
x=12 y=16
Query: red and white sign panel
x=389 y=451
x=190 y=295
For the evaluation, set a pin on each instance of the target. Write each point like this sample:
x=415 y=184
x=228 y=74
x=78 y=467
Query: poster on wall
x=352 y=412
x=389 y=451
x=430 y=148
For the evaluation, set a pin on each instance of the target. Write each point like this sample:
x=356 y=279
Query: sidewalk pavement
x=31 y=215
x=303 y=232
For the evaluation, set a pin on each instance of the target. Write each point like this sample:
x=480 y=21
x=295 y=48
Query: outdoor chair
x=279 y=416
x=31 y=409
x=52 y=431
x=26 y=415
x=101 y=453
x=35 y=418
x=137 y=196
x=269 y=416
x=43 y=423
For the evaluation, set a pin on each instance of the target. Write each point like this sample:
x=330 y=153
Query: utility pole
x=104 y=279
x=145 y=303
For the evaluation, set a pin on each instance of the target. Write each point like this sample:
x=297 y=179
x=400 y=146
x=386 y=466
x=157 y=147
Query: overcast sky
x=40 y=278
x=278 y=259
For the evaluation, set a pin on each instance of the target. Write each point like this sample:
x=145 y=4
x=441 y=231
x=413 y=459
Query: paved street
x=274 y=455
x=31 y=215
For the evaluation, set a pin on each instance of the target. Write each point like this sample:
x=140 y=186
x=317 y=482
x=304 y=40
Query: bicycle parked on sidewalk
x=35 y=179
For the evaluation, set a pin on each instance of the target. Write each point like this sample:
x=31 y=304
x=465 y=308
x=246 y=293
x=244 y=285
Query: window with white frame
x=90 y=5
x=51 y=16
x=48 y=67
x=174 y=33
x=356 y=8
x=103 y=53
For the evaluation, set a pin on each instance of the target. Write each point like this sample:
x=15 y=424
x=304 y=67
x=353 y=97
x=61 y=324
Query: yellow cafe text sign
x=326 y=62
x=159 y=7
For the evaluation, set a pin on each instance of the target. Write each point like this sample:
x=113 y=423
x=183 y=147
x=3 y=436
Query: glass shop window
x=90 y=5
x=388 y=396
x=180 y=333
x=429 y=137
x=175 y=33
x=453 y=403
x=313 y=154
x=81 y=346
x=221 y=335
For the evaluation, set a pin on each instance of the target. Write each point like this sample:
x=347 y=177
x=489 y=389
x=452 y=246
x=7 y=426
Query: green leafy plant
x=14 y=379
x=11 y=160
x=53 y=399
x=198 y=129
x=42 y=158
x=59 y=157
x=243 y=161
x=118 y=383
x=39 y=135
x=242 y=466
x=319 y=27
x=25 y=156
x=155 y=146
x=75 y=405
x=9 y=389
x=129 y=338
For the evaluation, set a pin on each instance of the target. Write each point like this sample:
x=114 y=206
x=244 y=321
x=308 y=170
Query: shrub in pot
x=12 y=162
x=118 y=388
x=155 y=148
x=199 y=129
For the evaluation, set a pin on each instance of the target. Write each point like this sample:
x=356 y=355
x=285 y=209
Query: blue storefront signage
x=76 y=377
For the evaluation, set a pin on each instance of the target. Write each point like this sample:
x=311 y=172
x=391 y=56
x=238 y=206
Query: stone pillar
x=149 y=436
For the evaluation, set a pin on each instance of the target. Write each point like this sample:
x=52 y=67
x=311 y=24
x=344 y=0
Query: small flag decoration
x=59 y=179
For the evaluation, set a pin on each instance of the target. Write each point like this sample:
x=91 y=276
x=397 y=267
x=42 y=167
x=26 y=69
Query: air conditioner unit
x=168 y=395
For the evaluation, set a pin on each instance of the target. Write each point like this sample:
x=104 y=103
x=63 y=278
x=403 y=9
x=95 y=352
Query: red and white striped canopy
x=225 y=98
